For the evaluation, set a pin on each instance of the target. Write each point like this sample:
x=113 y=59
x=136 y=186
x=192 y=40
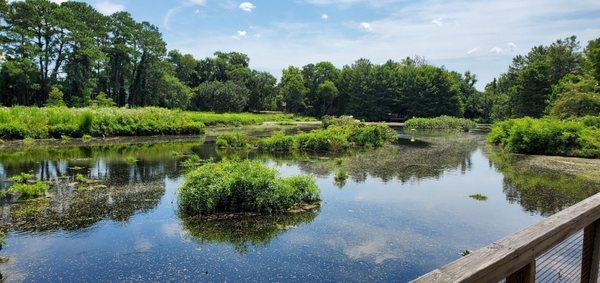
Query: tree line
x=73 y=55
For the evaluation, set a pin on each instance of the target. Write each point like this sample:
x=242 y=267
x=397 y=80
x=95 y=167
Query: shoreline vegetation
x=578 y=137
x=64 y=123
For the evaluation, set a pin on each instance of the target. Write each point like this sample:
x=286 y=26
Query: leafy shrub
x=547 y=136
x=332 y=139
x=243 y=186
x=440 y=123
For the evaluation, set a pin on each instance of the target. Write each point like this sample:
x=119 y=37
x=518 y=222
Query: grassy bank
x=578 y=137
x=243 y=186
x=440 y=123
x=61 y=122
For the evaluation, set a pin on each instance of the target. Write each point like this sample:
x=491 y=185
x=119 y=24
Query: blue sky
x=480 y=36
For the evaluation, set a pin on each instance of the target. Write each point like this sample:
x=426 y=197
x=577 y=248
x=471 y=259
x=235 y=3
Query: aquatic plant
x=233 y=140
x=479 y=197
x=130 y=159
x=440 y=123
x=579 y=137
x=21 y=178
x=338 y=121
x=30 y=190
x=243 y=186
x=340 y=177
x=332 y=139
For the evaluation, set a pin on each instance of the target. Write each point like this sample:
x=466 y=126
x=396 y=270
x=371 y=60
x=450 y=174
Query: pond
x=404 y=210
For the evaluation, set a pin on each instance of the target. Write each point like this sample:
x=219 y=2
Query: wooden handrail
x=514 y=256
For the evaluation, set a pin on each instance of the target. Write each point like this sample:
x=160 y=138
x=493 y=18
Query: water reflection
x=68 y=208
x=537 y=188
x=244 y=231
x=402 y=211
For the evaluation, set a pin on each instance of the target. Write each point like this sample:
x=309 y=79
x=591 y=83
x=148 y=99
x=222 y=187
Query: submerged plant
x=243 y=186
x=479 y=197
x=340 y=178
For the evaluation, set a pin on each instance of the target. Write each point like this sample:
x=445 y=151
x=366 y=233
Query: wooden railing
x=514 y=258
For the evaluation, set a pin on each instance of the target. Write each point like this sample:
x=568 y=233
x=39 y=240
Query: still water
x=404 y=210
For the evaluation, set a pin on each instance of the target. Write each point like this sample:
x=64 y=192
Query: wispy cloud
x=247 y=6
x=107 y=7
x=241 y=34
x=324 y=17
x=473 y=50
x=366 y=26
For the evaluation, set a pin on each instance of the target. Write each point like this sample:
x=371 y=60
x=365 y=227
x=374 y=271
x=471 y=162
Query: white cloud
x=366 y=26
x=107 y=7
x=473 y=50
x=241 y=34
x=324 y=16
x=512 y=47
x=197 y=2
x=438 y=22
x=496 y=50
x=247 y=6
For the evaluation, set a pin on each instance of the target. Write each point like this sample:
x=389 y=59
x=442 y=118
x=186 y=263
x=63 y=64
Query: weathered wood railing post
x=590 y=253
x=523 y=275
x=514 y=257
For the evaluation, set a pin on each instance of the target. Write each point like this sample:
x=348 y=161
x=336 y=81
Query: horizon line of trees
x=70 y=54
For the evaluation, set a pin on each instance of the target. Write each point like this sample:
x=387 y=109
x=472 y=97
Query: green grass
x=579 y=137
x=440 y=123
x=479 y=197
x=243 y=186
x=332 y=139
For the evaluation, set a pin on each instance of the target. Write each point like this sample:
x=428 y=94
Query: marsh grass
x=440 y=123
x=243 y=186
x=56 y=122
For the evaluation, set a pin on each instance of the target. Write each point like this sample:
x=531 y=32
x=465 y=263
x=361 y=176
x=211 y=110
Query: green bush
x=332 y=139
x=243 y=186
x=548 y=136
x=440 y=123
